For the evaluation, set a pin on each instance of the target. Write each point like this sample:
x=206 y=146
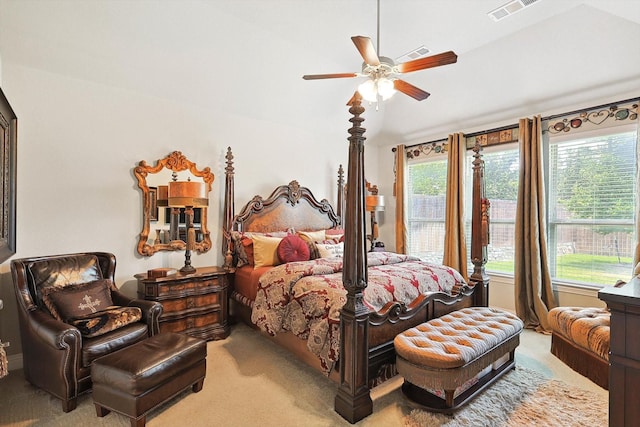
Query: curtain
x=636 y=257
x=533 y=292
x=455 y=246
x=398 y=192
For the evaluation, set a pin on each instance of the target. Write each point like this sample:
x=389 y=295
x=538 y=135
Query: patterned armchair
x=70 y=313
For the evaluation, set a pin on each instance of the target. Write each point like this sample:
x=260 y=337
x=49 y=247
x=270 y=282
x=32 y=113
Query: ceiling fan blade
x=428 y=62
x=328 y=76
x=411 y=90
x=366 y=49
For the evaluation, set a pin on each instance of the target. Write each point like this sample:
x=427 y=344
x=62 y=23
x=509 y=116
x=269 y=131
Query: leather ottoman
x=138 y=378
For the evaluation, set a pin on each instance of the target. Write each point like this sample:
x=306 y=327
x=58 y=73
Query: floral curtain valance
x=595 y=118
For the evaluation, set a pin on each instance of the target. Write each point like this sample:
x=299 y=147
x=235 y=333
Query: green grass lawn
x=602 y=270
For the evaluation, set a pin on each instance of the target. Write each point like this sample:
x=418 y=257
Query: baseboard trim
x=15 y=361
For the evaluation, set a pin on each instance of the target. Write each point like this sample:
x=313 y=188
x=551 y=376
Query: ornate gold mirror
x=164 y=224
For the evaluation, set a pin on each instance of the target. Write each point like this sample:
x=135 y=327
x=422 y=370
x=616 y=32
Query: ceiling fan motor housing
x=385 y=69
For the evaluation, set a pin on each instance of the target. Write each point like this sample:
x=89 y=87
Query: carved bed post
x=479 y=231
x=353 y=400
x=229 y=210
x=340 y=206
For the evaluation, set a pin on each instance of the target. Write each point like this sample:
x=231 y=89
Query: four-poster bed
x=360 y=327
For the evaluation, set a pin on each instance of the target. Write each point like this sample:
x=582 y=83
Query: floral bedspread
x=306 y=297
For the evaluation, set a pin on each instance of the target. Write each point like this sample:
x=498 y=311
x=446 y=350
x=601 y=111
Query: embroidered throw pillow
x=292 y=248
x=72 y=301
x=238 y=249
x=330 y=250
x=108 y=320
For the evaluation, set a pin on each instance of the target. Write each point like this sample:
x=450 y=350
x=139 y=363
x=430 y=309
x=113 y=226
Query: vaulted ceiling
x=247 y=57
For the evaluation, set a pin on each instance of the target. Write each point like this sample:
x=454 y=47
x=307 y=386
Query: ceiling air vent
x=510 y=8
x=414 y=54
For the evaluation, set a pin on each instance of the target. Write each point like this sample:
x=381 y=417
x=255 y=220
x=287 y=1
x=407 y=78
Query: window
x=592 y=198
x=426 y=204
x=591 y=189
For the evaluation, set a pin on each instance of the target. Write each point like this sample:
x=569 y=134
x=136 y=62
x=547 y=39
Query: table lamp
x=188 y=195
x=374 y=203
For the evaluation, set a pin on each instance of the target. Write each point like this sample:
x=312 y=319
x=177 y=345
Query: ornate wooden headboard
x=288 y=207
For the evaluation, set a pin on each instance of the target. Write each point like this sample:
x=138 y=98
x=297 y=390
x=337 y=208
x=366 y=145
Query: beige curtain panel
x=533 y=292
x=455 y=247
x=401 y=225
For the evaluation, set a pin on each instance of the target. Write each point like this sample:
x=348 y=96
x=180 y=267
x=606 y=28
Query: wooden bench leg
x=101 y=411
x=448 y=397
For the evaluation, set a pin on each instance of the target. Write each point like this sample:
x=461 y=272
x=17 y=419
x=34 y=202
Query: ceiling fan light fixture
x=369 y=91
x=373 y=88
x=385 y=88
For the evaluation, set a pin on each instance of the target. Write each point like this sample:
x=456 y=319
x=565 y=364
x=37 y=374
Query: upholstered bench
x=138 y=378
x=459 y=354
x=580 y=338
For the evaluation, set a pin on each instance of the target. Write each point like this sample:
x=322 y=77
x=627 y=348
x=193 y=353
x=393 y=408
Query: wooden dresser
x=194 y=303
x=624 y=355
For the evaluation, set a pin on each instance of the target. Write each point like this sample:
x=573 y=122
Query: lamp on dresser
x=188 y=195
x=374 y=203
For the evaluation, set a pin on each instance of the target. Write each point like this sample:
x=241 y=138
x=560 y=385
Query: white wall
x=78 y=143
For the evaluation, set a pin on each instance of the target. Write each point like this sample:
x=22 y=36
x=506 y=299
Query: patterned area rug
x=521 y=398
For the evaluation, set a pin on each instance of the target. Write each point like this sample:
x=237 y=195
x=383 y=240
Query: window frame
x=552 y=224
x=432 y=157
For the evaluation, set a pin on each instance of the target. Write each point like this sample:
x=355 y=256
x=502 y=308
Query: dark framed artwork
x=8 y=143
x=153 y=199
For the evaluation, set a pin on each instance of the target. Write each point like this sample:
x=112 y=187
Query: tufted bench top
x=587 y=327
x=456 y=339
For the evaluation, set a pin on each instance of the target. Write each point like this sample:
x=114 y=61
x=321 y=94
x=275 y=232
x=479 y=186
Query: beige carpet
x=253 y=382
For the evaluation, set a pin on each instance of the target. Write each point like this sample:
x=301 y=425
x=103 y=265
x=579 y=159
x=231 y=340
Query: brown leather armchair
x=57 y=357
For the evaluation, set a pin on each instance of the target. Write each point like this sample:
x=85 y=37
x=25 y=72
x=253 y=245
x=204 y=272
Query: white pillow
x=327 y=250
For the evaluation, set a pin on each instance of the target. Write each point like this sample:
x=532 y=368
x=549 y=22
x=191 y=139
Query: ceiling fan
x=382 y=71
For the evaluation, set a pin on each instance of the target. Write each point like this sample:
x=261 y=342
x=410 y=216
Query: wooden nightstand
x=624 y=352
x=194 y=303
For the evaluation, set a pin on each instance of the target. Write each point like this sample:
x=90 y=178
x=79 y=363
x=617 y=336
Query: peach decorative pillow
x=247 y=245
x=292 y=248
x=335 y=233
x=243 y=245
x=265 y=250
x=313 y=236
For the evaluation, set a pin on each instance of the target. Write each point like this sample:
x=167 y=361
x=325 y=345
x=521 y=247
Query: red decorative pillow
x=292 y=248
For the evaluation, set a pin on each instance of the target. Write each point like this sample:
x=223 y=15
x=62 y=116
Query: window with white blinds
x=592 y=198
x=591 y=189
x=426 y=205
